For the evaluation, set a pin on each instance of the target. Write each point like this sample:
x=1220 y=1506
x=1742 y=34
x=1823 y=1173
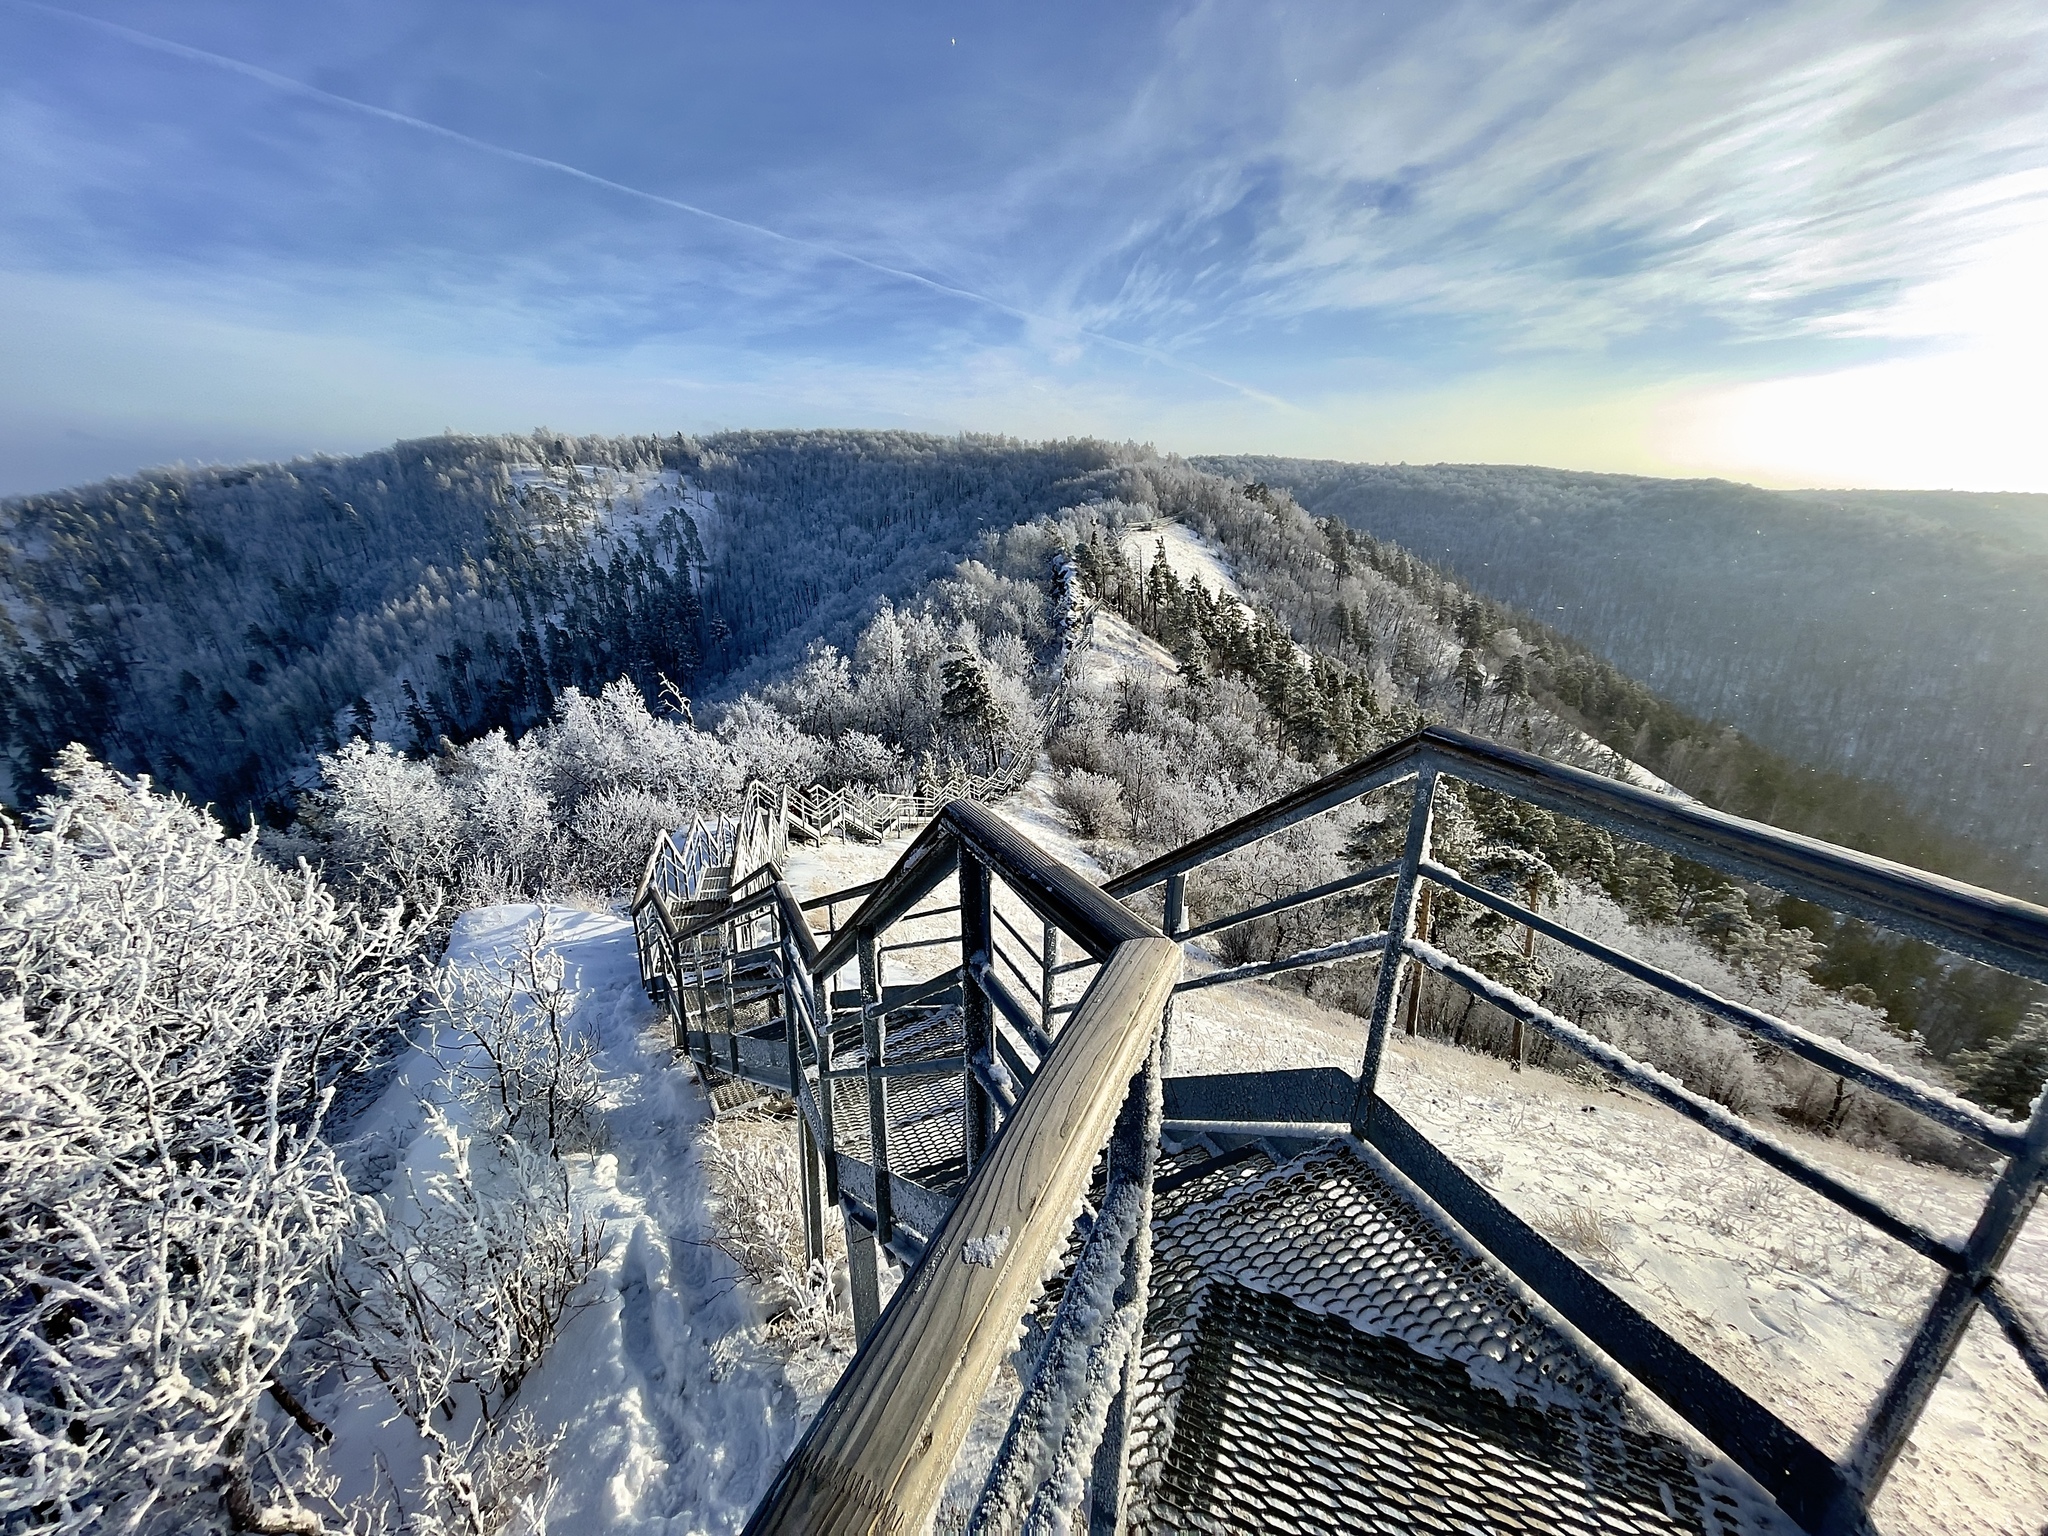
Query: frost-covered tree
x=175 y=1015
x=573 y=804
x=2009 y=1073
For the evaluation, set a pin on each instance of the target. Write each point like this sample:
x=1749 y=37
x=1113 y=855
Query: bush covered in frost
x=174 y=1016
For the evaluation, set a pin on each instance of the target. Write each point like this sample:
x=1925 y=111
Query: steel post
x=1394 y=959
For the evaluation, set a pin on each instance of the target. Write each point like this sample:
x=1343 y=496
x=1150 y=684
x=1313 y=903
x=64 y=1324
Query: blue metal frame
x=1821 y=1494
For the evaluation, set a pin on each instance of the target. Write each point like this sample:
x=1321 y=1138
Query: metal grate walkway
x=1320 y=1356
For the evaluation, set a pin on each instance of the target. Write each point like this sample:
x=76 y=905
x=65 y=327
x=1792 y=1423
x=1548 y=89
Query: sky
x=1798 y=244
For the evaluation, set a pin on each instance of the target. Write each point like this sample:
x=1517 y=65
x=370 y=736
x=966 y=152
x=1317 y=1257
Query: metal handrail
x=1983 y=925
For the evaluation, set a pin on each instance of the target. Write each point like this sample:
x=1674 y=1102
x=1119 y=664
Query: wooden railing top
x=877 y=1456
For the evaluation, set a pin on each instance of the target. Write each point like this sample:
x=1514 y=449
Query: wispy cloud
x=1227 y=223
x=810 y=247
x=1568 y=176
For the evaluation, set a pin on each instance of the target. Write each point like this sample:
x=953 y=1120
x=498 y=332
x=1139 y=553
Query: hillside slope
x=1890 y=635
x=216 y=628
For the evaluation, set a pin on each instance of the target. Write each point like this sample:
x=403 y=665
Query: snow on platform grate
x=1320 y=1356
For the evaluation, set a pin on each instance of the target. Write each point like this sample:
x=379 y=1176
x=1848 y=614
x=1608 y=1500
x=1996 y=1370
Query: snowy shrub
x=174 y=1014
x=452 y=1288
x=512 y=1051
x=575 y=803
x=856 y=757
x=392 y=825
x=493 y=1480
x=453 y=1298
x=1094 y=801
x=758 y=1222
x=768 y=746
x=611 y=833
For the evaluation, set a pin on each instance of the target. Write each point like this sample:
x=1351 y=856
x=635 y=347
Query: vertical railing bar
x=976 y=1014
x=862 y=1260
x=878 y=1110
x=1048 y=970
x=1899 y=1406
x=1411 y=1010
x=1394 y=958
x=1109 y=1477
x=1174 y=923
x=730 y=933
x=821 y=1048
x=794 y=981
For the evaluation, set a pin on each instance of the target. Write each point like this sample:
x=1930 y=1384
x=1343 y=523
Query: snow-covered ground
x=1188 y=555
x=618 y=503
x=674 y=1413
x=677 y=1410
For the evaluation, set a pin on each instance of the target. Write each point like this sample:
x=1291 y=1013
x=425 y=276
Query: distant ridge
x=1894 y=635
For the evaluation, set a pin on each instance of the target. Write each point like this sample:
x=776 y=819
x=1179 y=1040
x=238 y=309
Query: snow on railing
x=754 y=994
x=1819 y=1491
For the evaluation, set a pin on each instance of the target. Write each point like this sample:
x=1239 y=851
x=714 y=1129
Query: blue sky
x=1804 y=244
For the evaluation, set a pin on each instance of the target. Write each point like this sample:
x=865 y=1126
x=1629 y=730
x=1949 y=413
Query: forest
x=218 y=629
x=1890 y=637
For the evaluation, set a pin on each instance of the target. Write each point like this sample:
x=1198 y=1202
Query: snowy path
x=675 y=1418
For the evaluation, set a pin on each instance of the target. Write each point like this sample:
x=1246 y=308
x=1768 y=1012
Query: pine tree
x=968 y=701
x=1471 y=680
x=1511 y=685
x=2009 y=1073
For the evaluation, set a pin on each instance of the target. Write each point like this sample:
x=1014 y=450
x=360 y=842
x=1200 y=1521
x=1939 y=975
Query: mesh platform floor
x=1320 y=1356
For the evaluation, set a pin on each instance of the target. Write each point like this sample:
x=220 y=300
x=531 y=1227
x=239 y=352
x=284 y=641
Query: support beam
x=1400 y=928
x=977 y=1014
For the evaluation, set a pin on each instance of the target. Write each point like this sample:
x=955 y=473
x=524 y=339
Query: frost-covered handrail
x=877 y=1455
x=1983 y=925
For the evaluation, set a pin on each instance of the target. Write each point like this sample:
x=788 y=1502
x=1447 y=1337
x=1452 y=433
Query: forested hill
x=215 y=628
x=1890 y=635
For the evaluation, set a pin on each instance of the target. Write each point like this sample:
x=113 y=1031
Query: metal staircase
x=1260 y=1301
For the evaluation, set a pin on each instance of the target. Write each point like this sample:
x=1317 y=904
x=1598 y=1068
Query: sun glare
x=1970 y=412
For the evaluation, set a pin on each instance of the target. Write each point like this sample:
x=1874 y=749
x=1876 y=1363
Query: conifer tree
x=2008 y=1074
x=1471 y=680
x=1511 y=685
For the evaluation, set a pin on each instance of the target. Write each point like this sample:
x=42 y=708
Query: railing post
x=1394 y=959
x=1174 y=922
x=794 y=981
x=863 y=1274
x=1133 y=1155
x=814 y=1205
x=977 y=1017
x=703 y=1028
x=1898 y=1407
x=1049 y=962
x=1411 y=1009
x=729 y=934
x=878 y=1101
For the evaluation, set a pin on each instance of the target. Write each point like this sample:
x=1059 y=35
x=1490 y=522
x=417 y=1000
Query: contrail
x=287 y=84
